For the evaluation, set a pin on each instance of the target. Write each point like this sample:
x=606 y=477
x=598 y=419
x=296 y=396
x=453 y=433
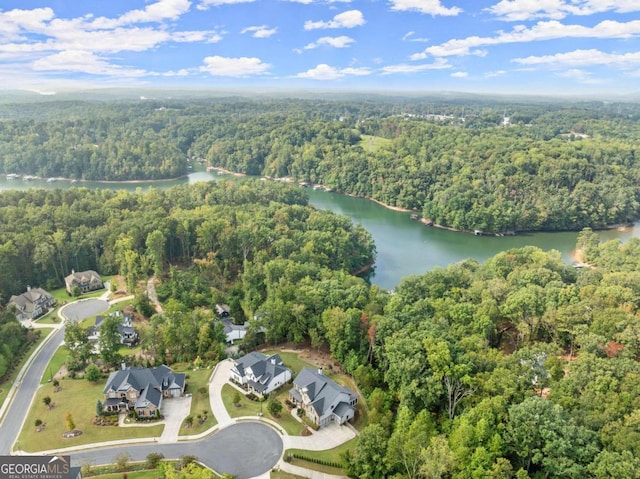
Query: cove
x=404 y=247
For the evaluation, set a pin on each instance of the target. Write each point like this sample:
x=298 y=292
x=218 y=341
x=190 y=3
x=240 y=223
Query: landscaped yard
x=252 y=408
x=78 y=397
x=199 y=402
x=6 y=385
x=331 y=455
x=58 y=359
x=283 y=475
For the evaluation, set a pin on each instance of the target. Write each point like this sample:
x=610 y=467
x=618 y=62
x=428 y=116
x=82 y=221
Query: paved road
x=244 y=450
x=17 y=411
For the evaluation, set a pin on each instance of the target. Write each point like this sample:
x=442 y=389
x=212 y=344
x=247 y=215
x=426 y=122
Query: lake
x=404 y=246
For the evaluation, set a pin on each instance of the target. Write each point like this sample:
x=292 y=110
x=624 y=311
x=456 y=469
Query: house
x=234 y=332
x=260 y=373
x=32 y=304
x=85 y=281
x=128 y=334
x=141 y=389
x=323 y=400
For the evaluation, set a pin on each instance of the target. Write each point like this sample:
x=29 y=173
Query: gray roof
x=160 y=378
x=322 y=391
x=264 y=368
x=82 y=277
x=150 y=394
x=25 y=301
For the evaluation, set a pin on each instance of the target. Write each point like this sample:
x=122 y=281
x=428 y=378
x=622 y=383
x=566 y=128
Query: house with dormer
x=32 y=304
x=141 y=389
x=324 y=401
x=259 y=373
x=85 y=281
x=126 y=331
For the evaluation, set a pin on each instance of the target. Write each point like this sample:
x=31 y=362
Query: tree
x=409 y=437
x=38 y=423
x=368 y=458
x=78 y=345
x=437 y=458
x=156 y=242
x=69 y=422
x=99 y=407
x=92 y=373
x=236 y=397
x=153 y=459
x=188 y=421
x=47 y=402
x=109 y=341
x=274 y=407
x=122 y=461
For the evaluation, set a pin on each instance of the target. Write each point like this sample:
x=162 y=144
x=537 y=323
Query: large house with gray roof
x=260 y=373
x=141 y=389
x=85 y=281
x=323 y=400
x=32 y=304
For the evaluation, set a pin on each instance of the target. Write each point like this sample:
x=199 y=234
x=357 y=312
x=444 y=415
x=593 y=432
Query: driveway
x=84 y=308
x=219 y=379
x=246 y=449
x=175 y=410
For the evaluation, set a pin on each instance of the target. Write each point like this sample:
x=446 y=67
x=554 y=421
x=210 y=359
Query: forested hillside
x=461 y=163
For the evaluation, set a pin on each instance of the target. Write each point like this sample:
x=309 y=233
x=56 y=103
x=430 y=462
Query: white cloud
x=14 y=22
x=309 y=2
x=205 y=4
x=429 y=7
x=494 y=74
x=348 y=19
x=521 y=10
x=83 y=62
x=410 y=37
x=153 y=13
x=336 y=42
x=549 y=30
x=261 y=31
x=327 y=72
x=196 y=36
x=582 y=58
x=460 y=75
x=578 y=75
x=234 y=67
x=439 y=64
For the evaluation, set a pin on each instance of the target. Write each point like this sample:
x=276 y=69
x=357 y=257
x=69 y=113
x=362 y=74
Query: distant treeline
x=465 y=164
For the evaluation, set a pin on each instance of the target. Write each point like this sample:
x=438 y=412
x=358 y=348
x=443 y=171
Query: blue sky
x=508 y=46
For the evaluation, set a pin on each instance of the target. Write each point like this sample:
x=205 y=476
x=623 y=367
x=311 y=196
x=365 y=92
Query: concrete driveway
x=175 y=410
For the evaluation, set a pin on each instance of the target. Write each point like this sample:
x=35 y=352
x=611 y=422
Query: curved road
x=245 y=449
x=262 y=446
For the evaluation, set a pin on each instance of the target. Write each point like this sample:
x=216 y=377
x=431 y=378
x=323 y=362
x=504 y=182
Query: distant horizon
x=558 y=48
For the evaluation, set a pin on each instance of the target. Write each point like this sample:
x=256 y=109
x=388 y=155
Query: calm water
x=404 y=246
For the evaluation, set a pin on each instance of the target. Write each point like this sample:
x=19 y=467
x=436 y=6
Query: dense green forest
x=519 y=367
x=461 y=163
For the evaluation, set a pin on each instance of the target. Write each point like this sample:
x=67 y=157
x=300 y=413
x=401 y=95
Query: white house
x=260 y=373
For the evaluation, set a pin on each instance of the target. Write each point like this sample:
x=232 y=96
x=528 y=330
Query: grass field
x=6 y=384
x=199 y=402
x=333 y=455
x=58 y=359
x=148 y=474
x=371 y=144
x=283 y=475
x=252 y=408
x=79 y=397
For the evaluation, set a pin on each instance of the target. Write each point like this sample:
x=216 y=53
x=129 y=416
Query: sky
x=497 y=46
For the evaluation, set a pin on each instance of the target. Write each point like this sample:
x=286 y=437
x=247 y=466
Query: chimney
x=123 y=365
x=320 y=371
x=73 y=271
x=28 y=288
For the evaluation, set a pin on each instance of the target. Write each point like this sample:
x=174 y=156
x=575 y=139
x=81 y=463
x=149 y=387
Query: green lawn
x=252 y=408
x=147 y=474
x=371 y=144
x=6 y=384
x=199 y=402
x=283 y=475
x=291 y=360
x=78 y=397
x=333 y=455
x=58 y=359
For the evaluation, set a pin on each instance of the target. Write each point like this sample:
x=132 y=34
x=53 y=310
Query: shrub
x=92 y=373
x=38 y=422
x=153 y=459
x=274 y=407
